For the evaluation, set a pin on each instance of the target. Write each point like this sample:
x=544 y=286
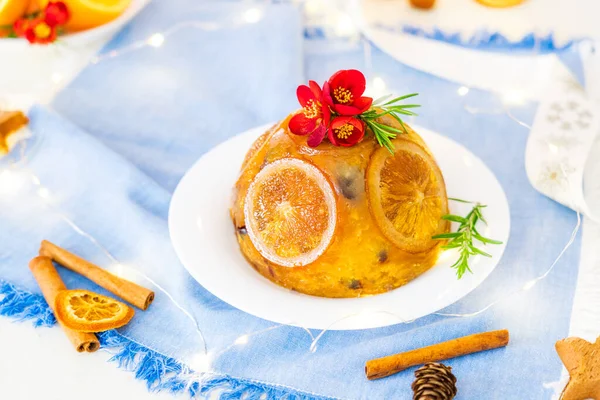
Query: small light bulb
x=57 y=78
x=200 y=362
x=156 y=40
x=379 y=84
x=252 y=15
x=513 y=98
x=463 y=90
x=124 y=271
x=312 y=7
x=10 y=182
x=345 y=26
x=241 y=340
x=553 y=148
x=43 y=193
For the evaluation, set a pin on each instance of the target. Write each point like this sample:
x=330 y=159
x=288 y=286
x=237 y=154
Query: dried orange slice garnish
x=500 y=3
x=290 y=212
x=407 y=196
x=86 y=311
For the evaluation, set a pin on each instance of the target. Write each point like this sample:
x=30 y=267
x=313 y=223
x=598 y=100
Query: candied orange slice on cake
x=407 y=196
x=86 y=311
x=290 y=212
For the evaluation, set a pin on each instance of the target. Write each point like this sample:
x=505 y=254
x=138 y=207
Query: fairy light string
x=204 y=360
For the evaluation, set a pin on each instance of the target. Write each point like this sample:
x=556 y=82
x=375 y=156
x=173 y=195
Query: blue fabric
x=157 y=110
x=485 y=40
x=572 y=59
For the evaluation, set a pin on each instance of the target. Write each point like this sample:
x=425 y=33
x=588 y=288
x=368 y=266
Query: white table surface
x=41 y=364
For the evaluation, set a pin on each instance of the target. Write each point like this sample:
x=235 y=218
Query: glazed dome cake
x=341 y=199
x=336 y=221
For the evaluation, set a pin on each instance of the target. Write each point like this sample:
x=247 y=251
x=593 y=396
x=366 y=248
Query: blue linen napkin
x=126 y=211
x=216 y=74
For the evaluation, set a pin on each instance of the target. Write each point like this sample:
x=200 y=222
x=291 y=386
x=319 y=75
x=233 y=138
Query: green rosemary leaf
x=446 y=235
x=406 y=106
x=387 y=128
x=475 y=250
x=485 y=240
x=402 y=111
x=381 y=99
x=480 y=214
x=397 y=99
x=463 y=238
x=459 y=200
x=384 y=134
x=455 y=218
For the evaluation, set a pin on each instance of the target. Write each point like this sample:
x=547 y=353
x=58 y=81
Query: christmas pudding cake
x=342 y=198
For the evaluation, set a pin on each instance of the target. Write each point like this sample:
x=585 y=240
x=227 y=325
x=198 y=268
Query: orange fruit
x=290 y=212
x=86 y=311
x=11 y=10
x=32 y=7
x=424 y=4
x=500 y=3
x=407 y=195
x=86 y=14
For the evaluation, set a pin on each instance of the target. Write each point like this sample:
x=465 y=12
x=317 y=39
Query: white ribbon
x=562 y=158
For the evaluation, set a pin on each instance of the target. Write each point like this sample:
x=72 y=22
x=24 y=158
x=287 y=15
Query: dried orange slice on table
x=407 y=196
x=86 y=311
x=290 y=212
x=86 y=14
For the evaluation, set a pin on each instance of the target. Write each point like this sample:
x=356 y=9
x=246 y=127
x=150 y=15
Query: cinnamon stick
x=386 y=366
x=132 y=293
x=49 y=281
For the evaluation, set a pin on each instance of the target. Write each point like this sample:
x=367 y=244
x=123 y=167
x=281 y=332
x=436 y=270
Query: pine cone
x=434 y=381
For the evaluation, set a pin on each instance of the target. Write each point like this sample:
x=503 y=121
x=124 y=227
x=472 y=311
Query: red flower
x=38 y=31
x=314 y=117
x=21 y=26
x=346 y=131
x=344 y=92
x=56 y=13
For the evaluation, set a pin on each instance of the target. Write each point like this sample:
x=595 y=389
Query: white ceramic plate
x=203 y=237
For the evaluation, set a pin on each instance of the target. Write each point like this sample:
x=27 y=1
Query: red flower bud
x=56 y=13
x=343 y=92
x=346 y=131
x=314 y=117
x=39 y=32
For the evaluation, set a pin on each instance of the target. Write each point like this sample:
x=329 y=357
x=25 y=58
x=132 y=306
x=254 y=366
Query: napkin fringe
x=161 y=373
x=22 y=305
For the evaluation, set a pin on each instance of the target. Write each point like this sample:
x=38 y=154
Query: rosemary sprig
x=384 y=133
x=464 y=237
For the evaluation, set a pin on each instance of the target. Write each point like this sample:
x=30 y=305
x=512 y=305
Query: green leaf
x=387 y=128
x=381 y=99
x=477 y=251
x=397 y=99
x=460 y=200
x=463 y=238
x=448 y=235
x=485 y=240
x=455 y=218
